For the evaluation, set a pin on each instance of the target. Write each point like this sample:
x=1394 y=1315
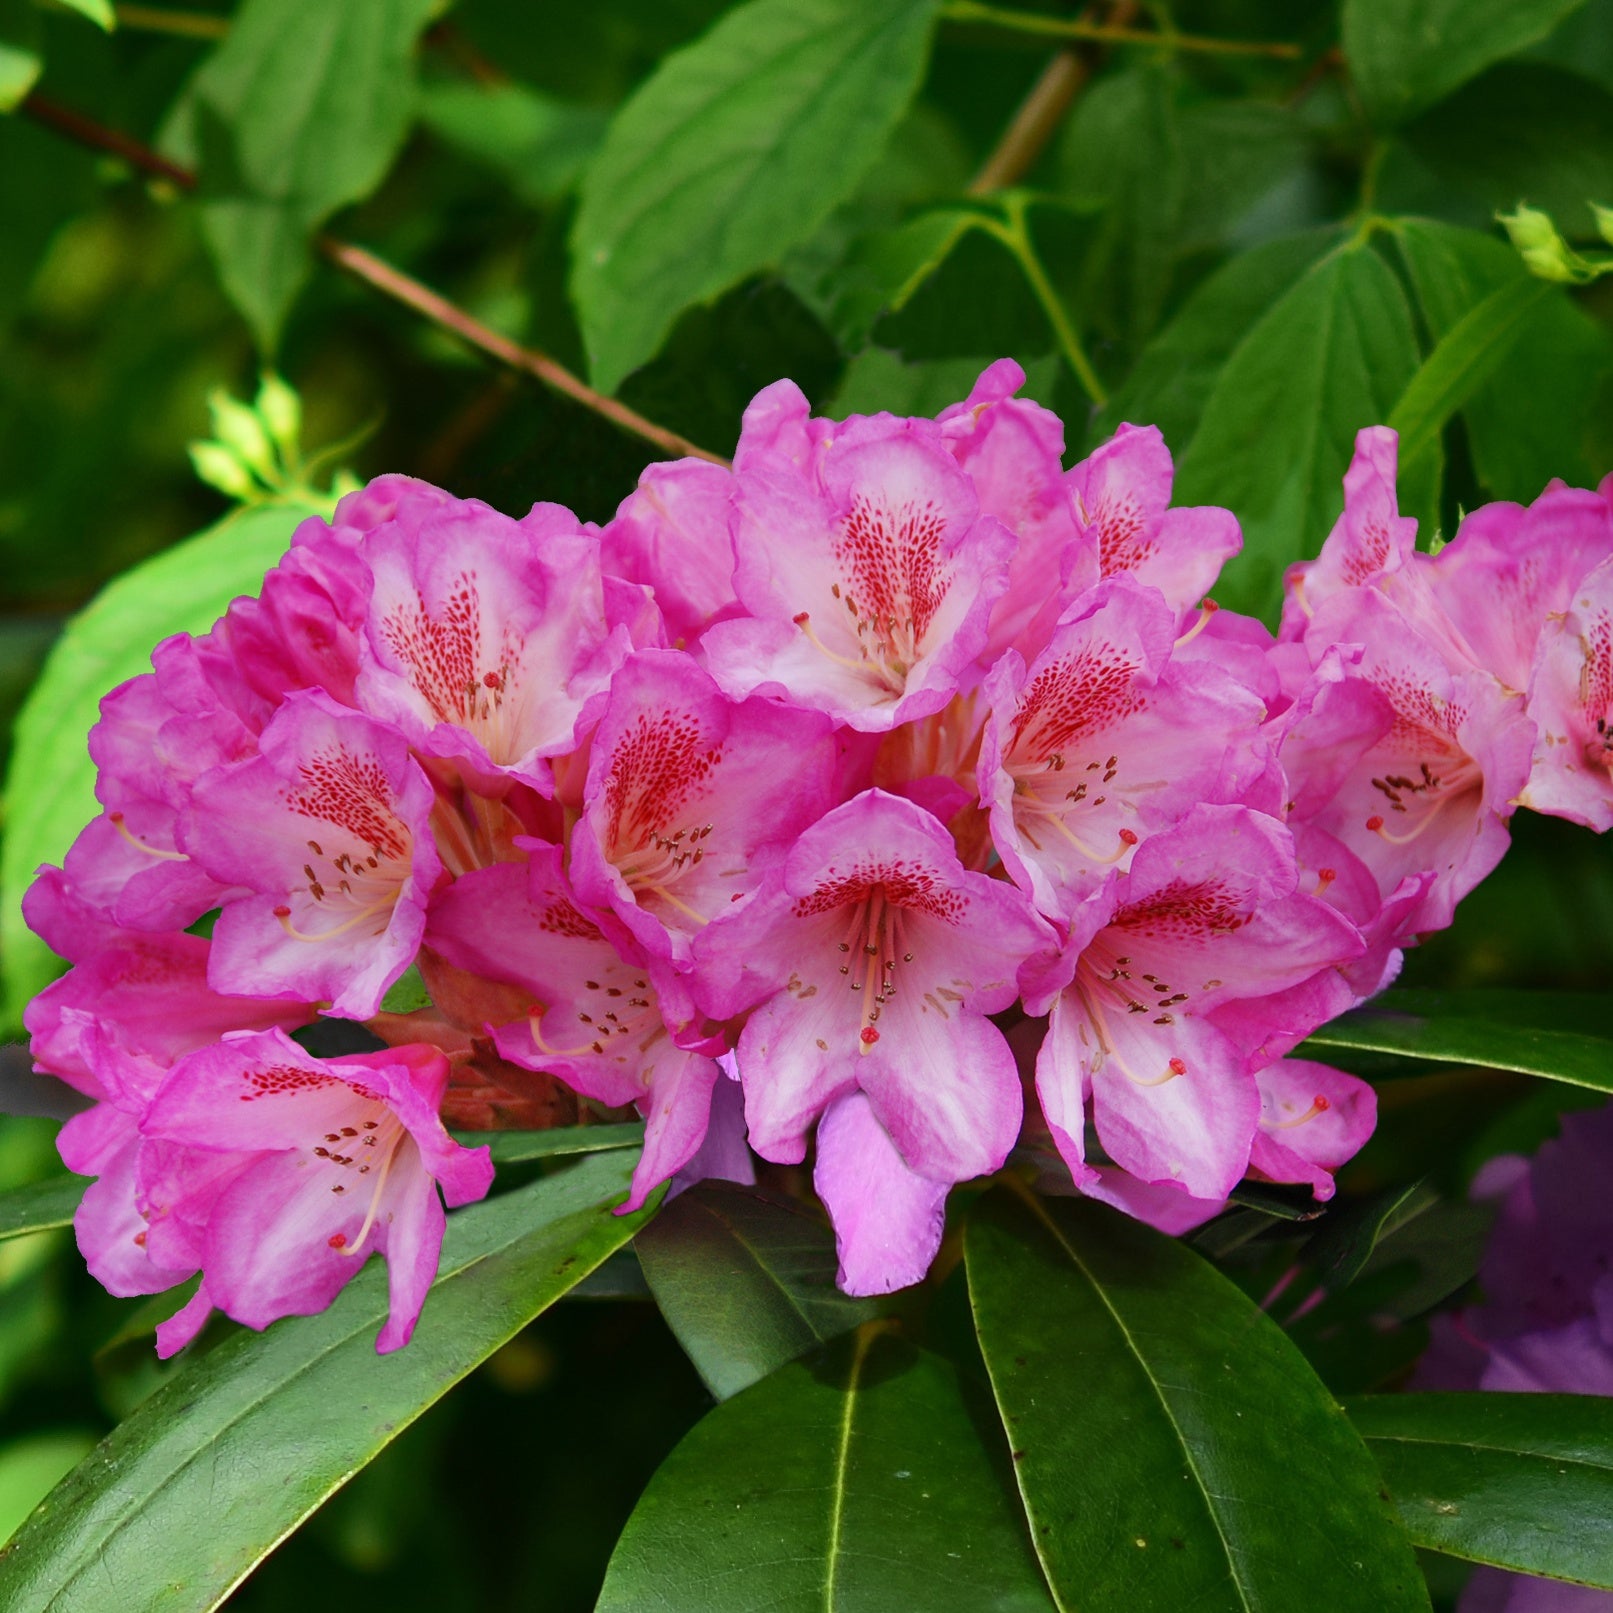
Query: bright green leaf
x=854 y=1480
x=1535 y=414
x=98 y=11
x=1521 y=1481
x=28 y=1469
x=746 y=1281
x=40 y=1206
x=181 y=1500
x=1558 y=1037
x=21 y=40
x=1466 y=356
x=1172 y=1446
x=733 y=151
x=1333 y=355
x=1407 y=54
x=300 y=111
x=50 y=786
x=1176 y=373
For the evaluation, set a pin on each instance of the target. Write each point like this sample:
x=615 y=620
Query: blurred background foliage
x=1255 y=250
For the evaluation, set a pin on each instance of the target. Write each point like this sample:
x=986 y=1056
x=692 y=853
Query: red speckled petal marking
x=459 y=677
x=1184 y=908
x=352 y=792
x=1124 y=543
x=1080 y=695
x=901 y=884
x=659 y=762
x=890 y=560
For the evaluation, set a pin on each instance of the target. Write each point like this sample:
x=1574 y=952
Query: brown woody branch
x=391 y=282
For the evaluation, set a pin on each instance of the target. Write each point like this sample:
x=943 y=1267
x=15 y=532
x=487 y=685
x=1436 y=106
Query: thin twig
x=166 y=20
x=1032 y=22
x=1033 y=125
x=375 y=272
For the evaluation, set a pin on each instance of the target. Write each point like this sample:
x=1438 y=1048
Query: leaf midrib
x=1125 y=1332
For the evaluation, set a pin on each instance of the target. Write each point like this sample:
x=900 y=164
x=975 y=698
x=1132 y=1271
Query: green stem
x=1014 y=234
x=164 y=20
x=1031 y=22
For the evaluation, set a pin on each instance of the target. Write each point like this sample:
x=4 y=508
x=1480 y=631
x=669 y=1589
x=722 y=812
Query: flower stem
x=1031 y=22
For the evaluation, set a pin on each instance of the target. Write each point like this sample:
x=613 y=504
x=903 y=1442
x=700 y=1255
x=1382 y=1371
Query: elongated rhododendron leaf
x=1156 y=1417
x=1557 y=1036
x=856 y=1479
x=199 y=1484
x=1523 y=1481
x=50 y=785
x=746 y=1281
x=39 y=1207
x=736 y=149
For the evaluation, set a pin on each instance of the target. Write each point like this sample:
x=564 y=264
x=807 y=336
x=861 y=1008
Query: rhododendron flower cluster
x=889 y=798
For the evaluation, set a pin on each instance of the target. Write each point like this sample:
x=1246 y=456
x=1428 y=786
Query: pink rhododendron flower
x=1122 y=495
x=483 y=643
x=1100 y=741
x=1571 y=701
x=329 y=828
x=594 y=1016
x=876 y=956
x=869 y=576
x=690 y=797
x=748 y=811
x=333 y=1159
x=1210 y=913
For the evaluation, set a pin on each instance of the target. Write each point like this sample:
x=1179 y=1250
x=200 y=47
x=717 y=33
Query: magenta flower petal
x=888 y=1219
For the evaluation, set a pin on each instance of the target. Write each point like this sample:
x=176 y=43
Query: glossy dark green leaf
x=300 y=111
x=877 y=379
x=50 y=785
x=40 y=1206
x=854 y=1481
x=1172 y=1445
x=733 y=151
x=1176 y=373
x=1406 y=54
x=1523 y=1481
x=179 y=1502
x=1534 y=1033
x=746 y=1281
x=512 y=1147
x=1344 y=1243
x=1532 y=412
x=880 y=272
x=1333 y=355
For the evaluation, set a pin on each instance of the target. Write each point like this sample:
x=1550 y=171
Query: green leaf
x=179 y=1502
x=1331 y=356
x=1495 y=1030
x=98 y=11
x=881 y=271
x=1348 y=1236
x=40 y=1206
x=1523 y=132
x=540 y=145
x=733 y=151
x=515 y=1147
x=746 y=1281
x=21 y=41
x=300 y=111
x=1523 y=1481
x=1172 y=1446
x=1534 y=415
x=1407 y=54
x=1466 y=356
x=50 y=785
x=1176 y=373
x=855 y=1480
x=29 y=1467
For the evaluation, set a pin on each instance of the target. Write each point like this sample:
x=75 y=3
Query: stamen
x=140 y=845
x=534 y=1020
x=1319 y=1106
x=284 y=915
x=375 y=1201
x=682 y=907
x=1206 y=611
x=1377 y=826
x=804 y=622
